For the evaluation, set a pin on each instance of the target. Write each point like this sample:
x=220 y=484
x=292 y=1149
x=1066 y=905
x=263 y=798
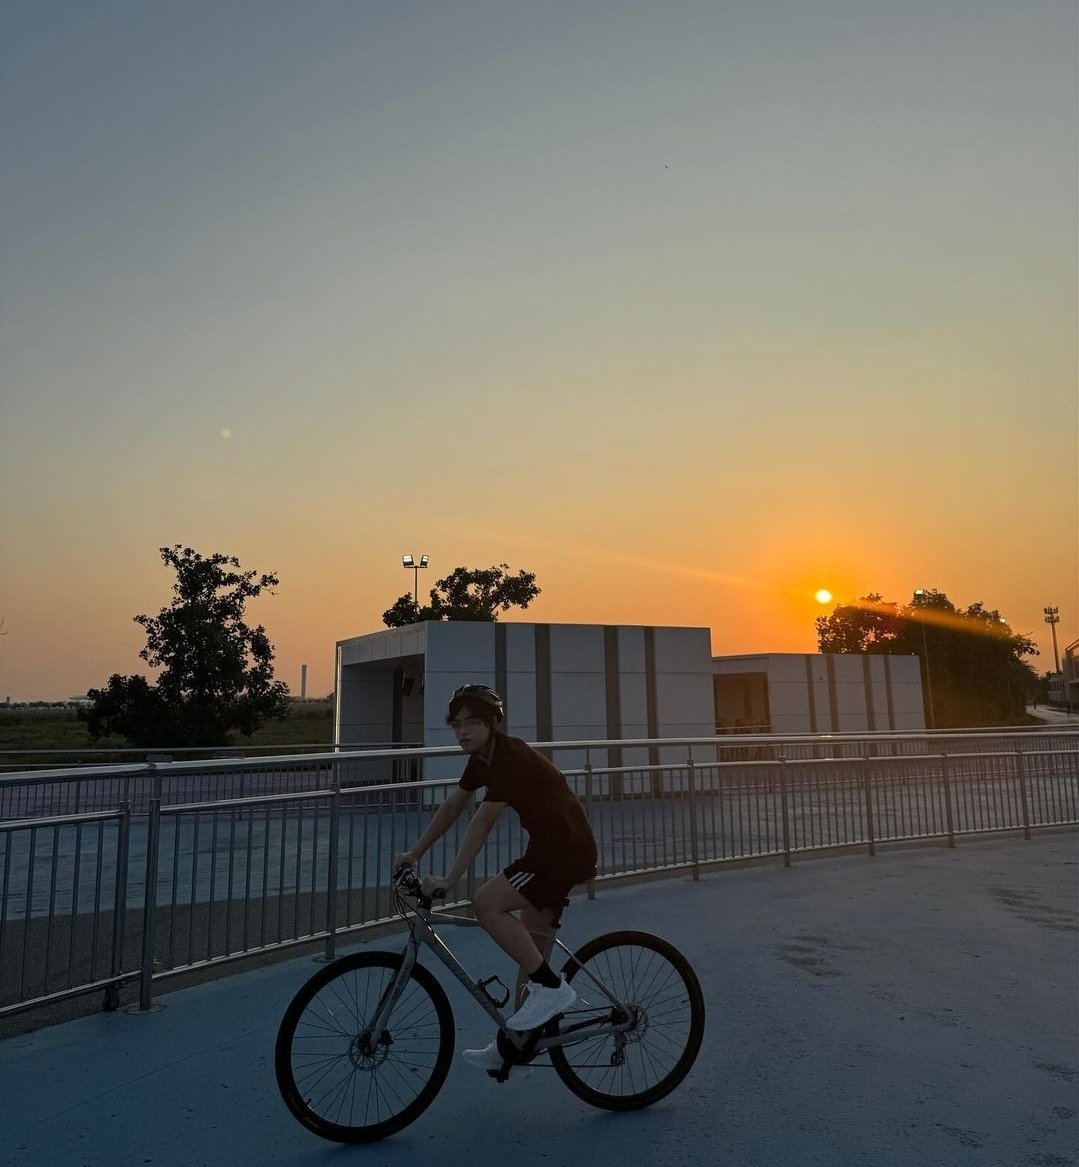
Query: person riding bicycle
x=561 y=853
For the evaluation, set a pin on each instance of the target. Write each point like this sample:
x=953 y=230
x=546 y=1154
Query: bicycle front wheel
x=663 y=1004
x=346 y=1083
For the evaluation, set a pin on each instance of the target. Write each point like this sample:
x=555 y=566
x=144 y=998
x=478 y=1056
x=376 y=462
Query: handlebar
x=406 y=880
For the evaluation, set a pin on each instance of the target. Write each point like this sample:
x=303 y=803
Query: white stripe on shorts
x=518 y=880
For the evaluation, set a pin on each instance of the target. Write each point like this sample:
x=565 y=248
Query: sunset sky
x=691 y=308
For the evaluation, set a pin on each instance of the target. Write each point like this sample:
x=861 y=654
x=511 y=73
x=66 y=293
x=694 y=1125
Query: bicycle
x=366 y=1044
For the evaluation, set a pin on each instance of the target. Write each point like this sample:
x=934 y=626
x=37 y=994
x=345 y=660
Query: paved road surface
x=914 y=1010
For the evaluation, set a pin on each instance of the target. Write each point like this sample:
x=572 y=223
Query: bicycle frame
x=422 y=926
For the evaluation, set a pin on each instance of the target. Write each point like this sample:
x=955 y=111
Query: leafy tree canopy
x=869 y=625
x=467 y=594
x=976 y=670
x=216 y=672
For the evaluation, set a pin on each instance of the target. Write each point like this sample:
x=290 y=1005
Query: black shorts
x=546 y=881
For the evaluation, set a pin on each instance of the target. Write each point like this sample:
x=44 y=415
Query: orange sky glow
x=692 y=313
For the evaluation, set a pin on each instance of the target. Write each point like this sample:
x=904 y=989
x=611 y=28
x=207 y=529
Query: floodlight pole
x=415 y=567
x=1052 y=618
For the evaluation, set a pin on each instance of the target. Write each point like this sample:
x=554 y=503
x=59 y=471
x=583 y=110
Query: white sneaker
x=490 y=1059
x=541 y=1004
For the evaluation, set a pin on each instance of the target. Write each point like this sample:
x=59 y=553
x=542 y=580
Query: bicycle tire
x=652 y=978
x=328 y=1082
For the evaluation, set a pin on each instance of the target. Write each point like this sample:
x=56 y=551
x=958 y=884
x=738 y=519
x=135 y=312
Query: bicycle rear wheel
x=344 y=1083
x=665 y=1007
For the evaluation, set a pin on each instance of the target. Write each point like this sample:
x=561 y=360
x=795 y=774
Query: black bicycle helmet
x=477 y=694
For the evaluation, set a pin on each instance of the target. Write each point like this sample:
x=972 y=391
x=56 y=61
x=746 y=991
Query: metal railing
x=67 y=791
x=143 y=873
x=39 y=792
x=27 y=758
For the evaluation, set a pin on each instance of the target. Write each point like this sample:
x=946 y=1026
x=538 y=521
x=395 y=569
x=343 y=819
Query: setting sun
x=823 y=596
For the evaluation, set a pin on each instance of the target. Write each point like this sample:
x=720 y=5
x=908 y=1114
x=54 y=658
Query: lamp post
x=409 y=563
x=1052 y=618
x=925 y=662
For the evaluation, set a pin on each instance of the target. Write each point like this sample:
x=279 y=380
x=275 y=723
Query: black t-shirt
x=549 y=811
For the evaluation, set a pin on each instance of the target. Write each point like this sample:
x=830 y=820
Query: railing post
x=869 y=806
x=949 y=817
x=784 y=811
x=588 y=811
x=1021 y=774
x=331 y=879
x=470 y=874
x=119 y=908
x=691 y=778
x=149 y=902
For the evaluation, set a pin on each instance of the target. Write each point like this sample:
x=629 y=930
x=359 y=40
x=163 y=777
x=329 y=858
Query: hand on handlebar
x=405 y=859
x=435 y=886
x=405 y=879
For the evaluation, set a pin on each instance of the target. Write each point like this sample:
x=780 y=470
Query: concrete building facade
x=561 y=682
x=594 y=682
x=1064 y=686
x=785 y=692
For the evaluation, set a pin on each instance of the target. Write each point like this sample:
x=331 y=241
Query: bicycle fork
x=376 y=1032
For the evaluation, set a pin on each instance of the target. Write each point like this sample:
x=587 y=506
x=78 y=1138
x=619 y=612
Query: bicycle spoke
x=659 y=1034
x=343 y=1080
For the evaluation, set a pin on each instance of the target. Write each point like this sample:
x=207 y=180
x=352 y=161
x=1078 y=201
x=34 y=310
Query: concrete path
x=918 y=1009
x=1054 y=716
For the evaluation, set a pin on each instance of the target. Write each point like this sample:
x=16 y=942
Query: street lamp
x=1052 y=618
x=409 y=563
x=925 y=662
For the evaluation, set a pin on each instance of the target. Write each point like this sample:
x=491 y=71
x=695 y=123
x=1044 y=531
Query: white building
x=589 y=682
x=561 y=682
x=786 y=692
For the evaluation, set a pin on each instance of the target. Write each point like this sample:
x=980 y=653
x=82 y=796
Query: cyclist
x=561 y=852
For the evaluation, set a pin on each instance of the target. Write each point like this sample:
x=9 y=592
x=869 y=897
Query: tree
x=467 y=594
x=975 y=660
x=866 y=626
x=216 y=672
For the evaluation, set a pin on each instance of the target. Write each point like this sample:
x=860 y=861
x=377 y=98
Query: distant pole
x=303 y=682
x=1052 y=618
x=928 y=680
x=925 y=662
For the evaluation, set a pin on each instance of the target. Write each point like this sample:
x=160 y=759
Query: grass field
x=28 y=731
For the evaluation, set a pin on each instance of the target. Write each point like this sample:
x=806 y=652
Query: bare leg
x=494 y=905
